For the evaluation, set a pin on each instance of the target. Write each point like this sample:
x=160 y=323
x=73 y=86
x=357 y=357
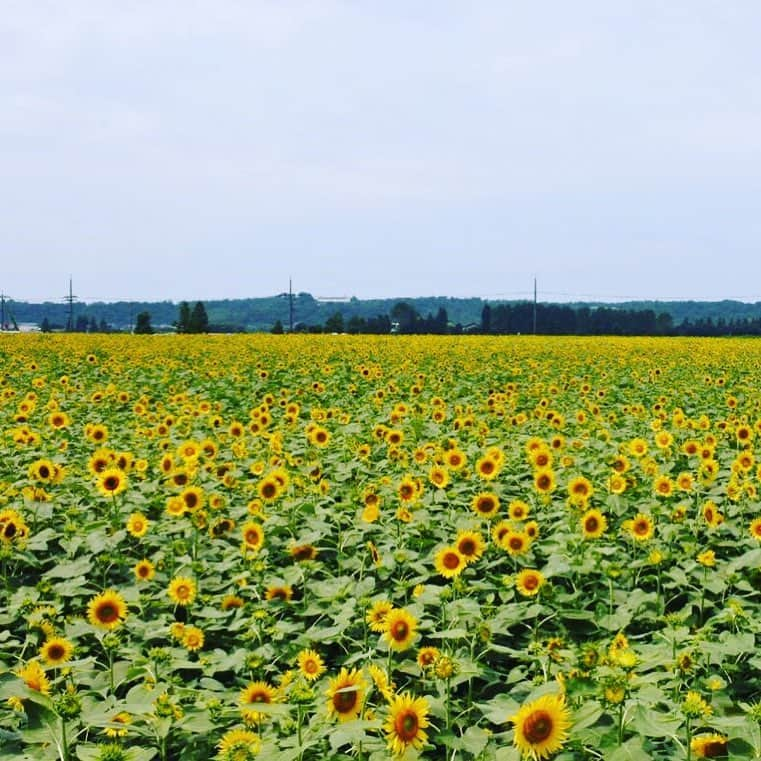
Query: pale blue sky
x=210 y=149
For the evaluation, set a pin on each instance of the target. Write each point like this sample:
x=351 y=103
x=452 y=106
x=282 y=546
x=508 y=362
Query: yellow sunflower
x=641 y=527
x=400 y=628
x=406 y=722
x=137 y=525
x=593 y=524
x=255 y=692
x=55 y=651
x=182 y=590
x=529 y=581
x=238 y=745
x=541 y=726
x=33 y=676
x=310 y=664
x=470 y=544
x=107 y=610
x=144 y=570
x=345 y=694
x=709 y=746
x=376 y=616
x=111 y=482
x=253 y=536
x=449 y=562
x=485 y=504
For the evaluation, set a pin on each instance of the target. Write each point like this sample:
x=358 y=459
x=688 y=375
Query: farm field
x=334 y=547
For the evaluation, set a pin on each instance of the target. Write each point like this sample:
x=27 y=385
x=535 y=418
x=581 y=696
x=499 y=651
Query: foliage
x=318 y=547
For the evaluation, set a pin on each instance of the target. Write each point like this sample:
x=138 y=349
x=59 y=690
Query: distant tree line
x=430 y=315
x=527 y=318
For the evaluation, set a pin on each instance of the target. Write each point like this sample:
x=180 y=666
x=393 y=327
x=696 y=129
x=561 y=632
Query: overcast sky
x=203 y=150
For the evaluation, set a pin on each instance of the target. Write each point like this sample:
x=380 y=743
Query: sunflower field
x=296 y=548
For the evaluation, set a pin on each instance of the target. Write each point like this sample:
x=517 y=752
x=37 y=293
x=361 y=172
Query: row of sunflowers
x=333 y=547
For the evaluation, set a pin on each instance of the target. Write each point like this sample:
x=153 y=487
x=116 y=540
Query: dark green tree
x=277 y=328
x=199 y=320
x=45 y=326
x=183 y=320
x=143 y=324
x=334 y=323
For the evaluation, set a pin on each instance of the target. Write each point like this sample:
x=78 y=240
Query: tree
x=143 y=324
x=199 y=320
x=486 y=319
x=277 y=328
x=183 y=321
x=45 y=326
x=335 y=323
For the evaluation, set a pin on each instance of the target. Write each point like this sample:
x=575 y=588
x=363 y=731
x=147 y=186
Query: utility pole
x=290 y=305
x=534 y=306
x=70 y=300
x=2 y=311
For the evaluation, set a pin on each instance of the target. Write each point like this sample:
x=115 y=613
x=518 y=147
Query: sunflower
x=182 y=590
x=641 y=527
x=663 y=486
x=12 y=526
x=755 y=529
x=303 y=552
x=485 y=504
x=111 y=482
x=376 y=616
x=710 y=746
x=711 y=514
x=253 y=536
x=192 y=638
x=33 y=676
x=544 y=481
x=427 y=656
x=487 y=468
x=55 y=651
x=107 y=610
x=311 y=665
x=449 y=562
x=269 y=488
x=541 y=726
x=280 y=593
x=345 y=694
x=470 y=544
x=409 y=489
x=529 y=581
x=144 y=570
x=238 y=745
x=593 y=524
x=638 y=447
x=438 y=475
x=406 y=722
x=137 y=525
x=400 y=628
x=319 y=436
x=255 y=692
x=516 y=542
x=579 y=490
x=455 y=459
x=518 y=510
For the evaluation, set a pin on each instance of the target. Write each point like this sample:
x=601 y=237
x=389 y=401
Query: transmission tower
x=70 y=299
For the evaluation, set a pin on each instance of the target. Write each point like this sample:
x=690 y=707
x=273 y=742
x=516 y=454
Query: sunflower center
x=592 y=524
x=538 y=726
x=531 y=582
x=467 y=547
x=55 y=652
x=406 y=726
x=344 y=702
x=107 y=613
x=400 y=630
x=485 y=506
x=451 y=561
x=111 y=483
